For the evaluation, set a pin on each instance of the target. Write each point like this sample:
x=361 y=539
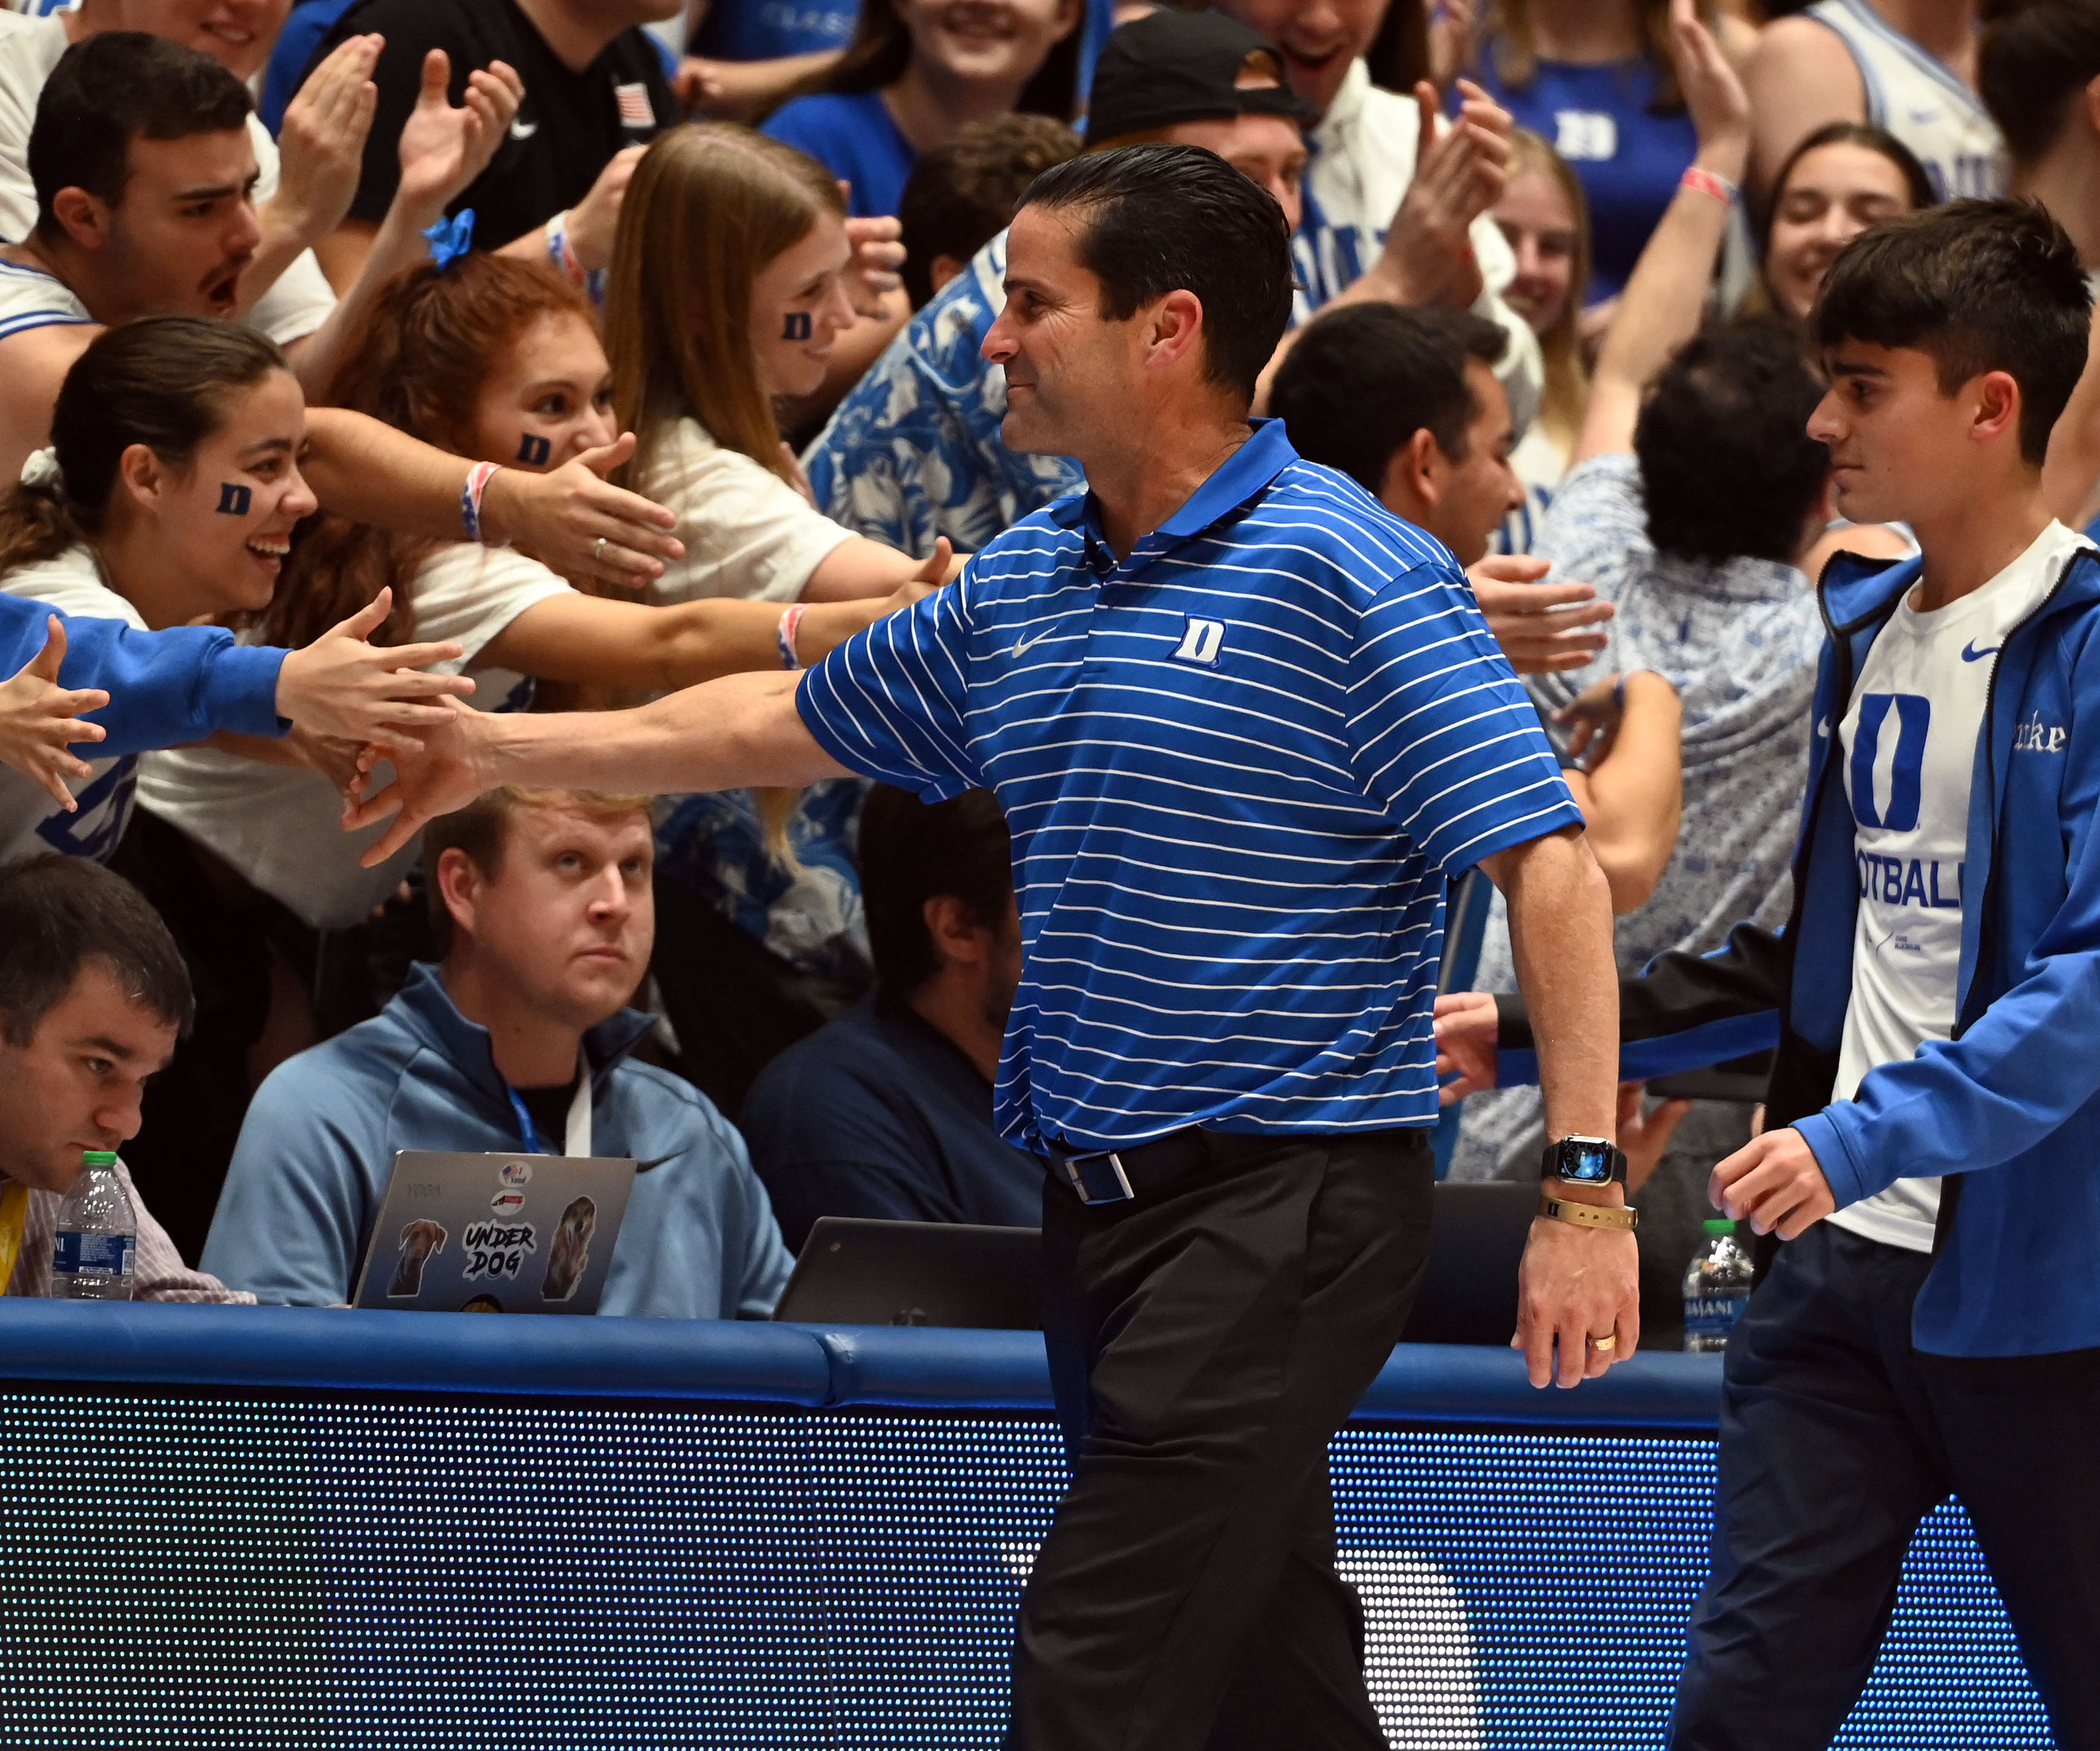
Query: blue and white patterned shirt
x=1740 y=642
x=914 y=451
x=1237 y=766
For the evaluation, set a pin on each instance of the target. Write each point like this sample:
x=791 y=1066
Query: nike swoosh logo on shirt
x=523 y=130
x=1822 y=727
x=1023 y=645
x=1971 y=654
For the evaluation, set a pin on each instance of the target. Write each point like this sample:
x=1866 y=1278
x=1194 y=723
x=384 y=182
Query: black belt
x=1115 y=1176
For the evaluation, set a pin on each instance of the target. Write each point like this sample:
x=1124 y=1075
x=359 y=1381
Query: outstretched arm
x=1659 y=310
x=1628 y=729
x=569 y=519
x=740 y=729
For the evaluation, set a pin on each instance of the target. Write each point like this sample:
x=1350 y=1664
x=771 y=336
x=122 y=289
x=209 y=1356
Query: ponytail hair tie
x=40 y=473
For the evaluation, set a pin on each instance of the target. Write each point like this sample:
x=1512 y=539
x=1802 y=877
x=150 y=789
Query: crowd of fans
x=565 y=352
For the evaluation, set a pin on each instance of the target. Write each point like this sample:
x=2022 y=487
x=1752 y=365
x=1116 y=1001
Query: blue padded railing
x=815 y=1367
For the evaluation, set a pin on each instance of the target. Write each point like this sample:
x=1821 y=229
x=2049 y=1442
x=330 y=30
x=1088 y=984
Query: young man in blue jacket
x=1932 y=1325
x=519 y=1037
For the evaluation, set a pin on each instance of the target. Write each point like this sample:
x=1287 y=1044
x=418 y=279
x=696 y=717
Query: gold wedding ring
x=1609 y=1341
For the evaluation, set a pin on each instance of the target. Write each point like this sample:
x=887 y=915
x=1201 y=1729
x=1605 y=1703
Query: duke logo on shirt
x=1201 y=642
x=1903 y=785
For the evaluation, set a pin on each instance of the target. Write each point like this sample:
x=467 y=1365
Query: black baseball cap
x=1174 y=67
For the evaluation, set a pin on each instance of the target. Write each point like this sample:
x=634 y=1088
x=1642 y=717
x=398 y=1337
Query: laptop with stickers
x=495 y=1233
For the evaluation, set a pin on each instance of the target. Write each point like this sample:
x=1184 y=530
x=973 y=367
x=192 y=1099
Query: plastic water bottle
x=97 y=1241
x=1717 y=1289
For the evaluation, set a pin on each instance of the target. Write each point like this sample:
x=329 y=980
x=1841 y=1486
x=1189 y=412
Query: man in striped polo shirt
x=1244 y=723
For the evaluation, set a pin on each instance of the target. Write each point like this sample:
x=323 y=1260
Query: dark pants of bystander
x=1838 y=1437
x=1206 y=1343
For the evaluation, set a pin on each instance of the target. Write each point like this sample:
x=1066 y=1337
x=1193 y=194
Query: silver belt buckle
x=1097 y=1178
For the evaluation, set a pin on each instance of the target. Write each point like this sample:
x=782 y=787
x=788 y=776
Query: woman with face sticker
x=494 y=360
x=728 y=291
x=917 y=72
x=168 y=498
x=729 y=288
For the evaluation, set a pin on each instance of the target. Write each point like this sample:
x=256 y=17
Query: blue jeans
x=1837 y=1438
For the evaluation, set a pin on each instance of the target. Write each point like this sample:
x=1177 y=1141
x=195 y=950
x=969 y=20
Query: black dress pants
x=1838 y=1437
x=1206 y=1343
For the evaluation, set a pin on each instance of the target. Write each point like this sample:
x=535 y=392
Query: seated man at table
x=92 y=995
x=887 y=1112
x=542 y=900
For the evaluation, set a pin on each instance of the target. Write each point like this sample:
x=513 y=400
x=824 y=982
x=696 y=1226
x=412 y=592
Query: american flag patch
x=634 y=108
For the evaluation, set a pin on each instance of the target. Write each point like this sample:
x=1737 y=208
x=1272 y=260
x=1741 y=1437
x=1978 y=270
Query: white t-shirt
x=1363 y=159
x=747 y=531
x=30 y=822
x=1908 y=748
x=281 y=826
x=299 y=302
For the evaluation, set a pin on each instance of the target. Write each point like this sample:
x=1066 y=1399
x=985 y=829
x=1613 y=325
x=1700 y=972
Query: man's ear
x=2092 y=104
x=85 y=219
x=459 y=882
x=1413 y=474
x=958 y=934
x=1175 y=329
x=1997 y=406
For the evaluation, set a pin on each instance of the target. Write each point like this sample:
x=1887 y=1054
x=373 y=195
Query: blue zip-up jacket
x=164 y=688
x=698 y=1240
x=2009 y=1110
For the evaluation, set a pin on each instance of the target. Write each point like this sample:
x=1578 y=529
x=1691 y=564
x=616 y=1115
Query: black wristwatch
x=1585 y=1161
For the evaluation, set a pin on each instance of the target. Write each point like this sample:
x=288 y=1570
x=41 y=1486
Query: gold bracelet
x=1582 y=1215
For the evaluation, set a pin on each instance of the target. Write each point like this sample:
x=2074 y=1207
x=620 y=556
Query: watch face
x=1586 y=1160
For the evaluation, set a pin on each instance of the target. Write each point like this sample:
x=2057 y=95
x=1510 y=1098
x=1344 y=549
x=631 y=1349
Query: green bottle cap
x=99 y=1158
x=1720 y=1225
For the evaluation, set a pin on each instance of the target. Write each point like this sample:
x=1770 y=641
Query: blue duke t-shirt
x=1628 y=158
x=850 y=133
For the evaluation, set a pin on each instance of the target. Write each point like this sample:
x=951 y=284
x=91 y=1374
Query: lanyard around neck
x=577 y=1139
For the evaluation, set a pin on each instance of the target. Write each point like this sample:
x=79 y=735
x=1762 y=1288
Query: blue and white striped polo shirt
x=1237 y=767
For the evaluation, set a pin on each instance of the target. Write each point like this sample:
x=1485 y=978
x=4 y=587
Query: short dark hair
x=1162 y=218
x=1360 y=382
x=481 y=831
x=962 y=195
x=1976 y=285
x=113 y=88
x=911 y=851
x=2034 y=63
x=1728 y=468
x=58 y=913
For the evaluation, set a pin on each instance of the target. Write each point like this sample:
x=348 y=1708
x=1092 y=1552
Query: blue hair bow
x=451 y=238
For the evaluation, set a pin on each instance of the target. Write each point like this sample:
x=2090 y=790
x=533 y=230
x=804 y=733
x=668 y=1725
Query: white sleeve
x=747 y=533
x=1523 y=367
x=299 y=302
x=71 y=583
x=469 y=594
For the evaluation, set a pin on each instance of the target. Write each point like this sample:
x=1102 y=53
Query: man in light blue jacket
x=519 y=1035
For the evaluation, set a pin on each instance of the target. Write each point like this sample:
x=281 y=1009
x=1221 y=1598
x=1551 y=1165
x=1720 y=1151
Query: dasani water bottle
x=1717 y=1289
x=97 y=1240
